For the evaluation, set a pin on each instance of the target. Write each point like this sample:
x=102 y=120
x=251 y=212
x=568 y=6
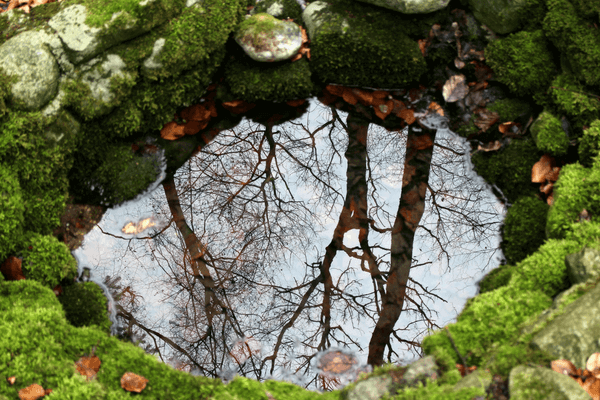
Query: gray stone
x=83 y=41
x=527 y=383
x=421 y=369
x=583 y=265
x=501 y=16
x=27 y=57
x=567 y=336
x=98 y=75
x=410 y=6
x=478 y=378
x=264 y=38
x=371 y=389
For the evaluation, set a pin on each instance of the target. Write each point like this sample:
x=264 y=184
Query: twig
x=457 y=352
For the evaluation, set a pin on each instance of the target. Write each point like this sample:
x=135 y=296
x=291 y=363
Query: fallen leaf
x=491 y=146
x=542 y=169
x=133 y=382
x=485 y=119
x=455 y=88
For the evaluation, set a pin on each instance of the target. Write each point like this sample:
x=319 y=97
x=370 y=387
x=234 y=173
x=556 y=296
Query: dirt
x=76 y=221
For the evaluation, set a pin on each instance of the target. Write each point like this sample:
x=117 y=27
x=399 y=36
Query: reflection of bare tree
x=237 y=219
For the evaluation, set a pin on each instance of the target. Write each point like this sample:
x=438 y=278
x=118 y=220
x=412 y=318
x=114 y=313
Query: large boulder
x=410 y=6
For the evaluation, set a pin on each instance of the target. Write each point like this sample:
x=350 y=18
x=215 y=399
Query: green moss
x=524 y=228
x=291 y=9
x=46 y=260
x=493 y=317
x=85 y=305
x=99 y=13
x=123 y=175
x=576 y=38
x=494 y=279
x=41 y=168
x=545 y=270
x=192 y=37
x=575 y=100
x=509 y=109
x=372 y=44
x=251 y=80
x=589 y=144
x=12 y=209
x=257 y=24
x=39 y=346
x=577 y=188
x=510 y=169
x=549 y=135
x=522 y=61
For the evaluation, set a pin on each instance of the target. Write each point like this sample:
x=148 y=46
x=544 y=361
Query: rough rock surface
x=410 y=6
x=266 y=39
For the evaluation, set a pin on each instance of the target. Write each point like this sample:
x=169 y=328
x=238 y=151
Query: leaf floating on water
x=455 y=89
x=141 y=226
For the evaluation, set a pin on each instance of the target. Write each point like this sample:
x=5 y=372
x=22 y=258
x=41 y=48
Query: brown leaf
x=485 y=119
x=542 y=169
x=491 y=146
x=32 y=392
x=565 y=367
x=132 y=382
x=455 y=88
x=172 y=131
x=88 y=366
x=11 y=269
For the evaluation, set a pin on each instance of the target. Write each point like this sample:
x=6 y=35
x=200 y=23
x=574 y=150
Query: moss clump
x=577 y=188
x=509 y=109
x=524 y=229
x=493 y=317
x=574 y=99
x=40 y=166
x=252 y=81
x=522 y=61
x=495 y=279
x=576 y=37
x=12 y=210
x=589 y=144
x=123 y=175
x=510 y=169
x=549 y=135
x=85 y=305
x=47 y=260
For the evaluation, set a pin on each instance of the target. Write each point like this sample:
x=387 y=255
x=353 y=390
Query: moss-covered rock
x=522 y=61
x=575 y=100
x=85 y=305
x=47 y=260
x=575 y=36
x=571 y=197
x=510 y=169
x=589 y=144
x=549 y=136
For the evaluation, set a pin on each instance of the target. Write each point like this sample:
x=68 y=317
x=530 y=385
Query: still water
x=154 y=269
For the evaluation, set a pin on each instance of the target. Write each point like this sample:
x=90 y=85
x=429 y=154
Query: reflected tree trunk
x=417 y=164
x=196 y=252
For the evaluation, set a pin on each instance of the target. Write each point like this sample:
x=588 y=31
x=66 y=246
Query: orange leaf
x=383 y=110
x=193 y=127
x=172 y=131
x=408 y=115
x=542 y=169
x=349 y=97
x=132 y=382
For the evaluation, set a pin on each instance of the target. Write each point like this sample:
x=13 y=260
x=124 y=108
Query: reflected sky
x=452 y=276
